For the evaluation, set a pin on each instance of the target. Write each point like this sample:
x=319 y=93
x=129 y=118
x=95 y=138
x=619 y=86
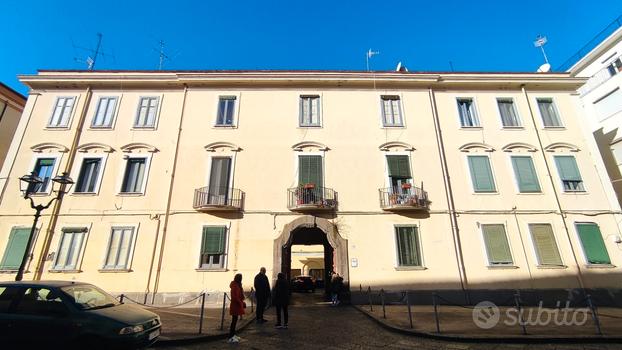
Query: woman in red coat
x=237 y=306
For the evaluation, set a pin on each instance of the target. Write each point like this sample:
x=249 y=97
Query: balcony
x=218 y=199
x=311 y=198
x=404 y=198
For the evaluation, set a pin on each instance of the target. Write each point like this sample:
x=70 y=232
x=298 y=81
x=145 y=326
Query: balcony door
x=400 y=178
x=310 y=171
x=220 y=175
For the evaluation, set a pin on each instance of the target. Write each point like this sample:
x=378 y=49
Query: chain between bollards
x=521 y=322
x=594 y=314
x=222 y=316
x=438 y=325
x=202 y=312
x=410 y=315
x=384 y=312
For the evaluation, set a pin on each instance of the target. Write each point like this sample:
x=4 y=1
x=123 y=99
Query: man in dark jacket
x=262 y=293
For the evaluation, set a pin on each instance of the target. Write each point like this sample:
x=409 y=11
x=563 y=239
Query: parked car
x=72 y=314
x=303 y=284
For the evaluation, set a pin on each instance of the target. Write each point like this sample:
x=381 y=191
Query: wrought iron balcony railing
x=404 y=198
x=310 y=198
x=219 y=198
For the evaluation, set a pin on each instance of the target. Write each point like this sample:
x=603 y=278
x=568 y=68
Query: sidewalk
x=456 y=323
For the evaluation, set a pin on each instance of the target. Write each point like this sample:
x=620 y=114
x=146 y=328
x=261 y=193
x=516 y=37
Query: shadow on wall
x=604 y=141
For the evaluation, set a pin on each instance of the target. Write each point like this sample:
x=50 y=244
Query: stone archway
x=338 y=244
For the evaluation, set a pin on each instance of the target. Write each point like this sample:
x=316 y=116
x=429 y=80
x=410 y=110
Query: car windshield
x=89 y=297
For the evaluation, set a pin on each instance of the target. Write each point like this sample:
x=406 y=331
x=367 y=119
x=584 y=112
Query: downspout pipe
x=449 y=196
x=167 y=214
x=49 y=232
x=553 y=185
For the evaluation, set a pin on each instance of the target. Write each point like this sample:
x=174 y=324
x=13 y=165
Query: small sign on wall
x=355 y=262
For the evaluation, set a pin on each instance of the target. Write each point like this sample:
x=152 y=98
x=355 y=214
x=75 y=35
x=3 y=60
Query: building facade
x=424 y=181
x=11 y=108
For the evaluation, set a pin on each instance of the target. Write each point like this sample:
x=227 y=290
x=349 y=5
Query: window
x=408 y=247
x=497 y=246
x=609 y=104
x=133 y=179
x=310 y=110
x=41 y=302
x=119 y=248
x=69 y=248
x=569 y=173
x=593 y=244
x=15 y=248
x=62 y=112
x=219 y=181
x=104 y=114
x=468 y=115
x=399 y=172
x=43 y=169
x=147 y=112
x=481 y=174
x=89 y=175
x=213 y=247
x=310 y=170
x=548 y=112
x=545 y=245
x=509 y=116
x=391 y=113
x=226 y=108
x=525 y=174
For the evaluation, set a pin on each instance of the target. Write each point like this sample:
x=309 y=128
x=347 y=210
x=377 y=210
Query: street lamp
x=28 y=185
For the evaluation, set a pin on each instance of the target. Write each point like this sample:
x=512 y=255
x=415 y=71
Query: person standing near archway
x=236 y=309
x=262 y=293
x=280 y=299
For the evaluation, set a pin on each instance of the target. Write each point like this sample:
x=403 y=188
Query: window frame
x=584 y=253
x=71 y=113
x=561 y=181
x=159 y=98
x=470 y=177
x=121 y=175
x=513 y=171
x=297 y=165
x=78 y=169
x=224 y=255
x=115 y=113
x=534 y=250
x=475 y=109
x=515 y=108
x=131 y=248
x=234 y=117
x=79 y=258
x=396 y=253
x=387 y=178
x=485 y=247
x=32 y=247
x=57 y=160
x=400 y=106
x=554 y=103
x=301 y=98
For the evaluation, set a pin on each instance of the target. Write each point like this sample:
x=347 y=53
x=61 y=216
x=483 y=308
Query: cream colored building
x=425 y=181
x=11 y=108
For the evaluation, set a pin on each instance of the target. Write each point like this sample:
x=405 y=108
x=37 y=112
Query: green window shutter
x=14 y=252
x=497 y=246
x=213 y=240
x=399 y=166
x=525 y=174
x=545 y=245
x=481 y=174
x=408 y=249
x=593 y=244
x=310 y=170
x=567 y=168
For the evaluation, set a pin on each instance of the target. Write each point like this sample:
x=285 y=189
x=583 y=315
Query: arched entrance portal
x=310 y=230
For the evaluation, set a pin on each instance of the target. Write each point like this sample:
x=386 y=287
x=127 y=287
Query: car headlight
x=131 y=329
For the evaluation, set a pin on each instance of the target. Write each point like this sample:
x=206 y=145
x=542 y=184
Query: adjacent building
x=424 y=181
x=11 y=108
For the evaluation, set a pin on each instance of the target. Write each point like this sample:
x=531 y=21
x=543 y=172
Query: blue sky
x=273 y=34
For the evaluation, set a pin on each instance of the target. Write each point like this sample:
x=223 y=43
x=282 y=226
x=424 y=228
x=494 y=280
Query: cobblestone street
x=315 y=325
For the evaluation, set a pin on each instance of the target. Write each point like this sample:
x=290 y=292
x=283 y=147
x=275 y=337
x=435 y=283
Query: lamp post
x=28 y=185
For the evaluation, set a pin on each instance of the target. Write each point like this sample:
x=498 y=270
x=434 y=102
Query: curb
x=200 y=338
x=506 y=339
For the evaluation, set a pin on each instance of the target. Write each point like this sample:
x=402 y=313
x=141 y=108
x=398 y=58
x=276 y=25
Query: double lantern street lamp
x=30 y=184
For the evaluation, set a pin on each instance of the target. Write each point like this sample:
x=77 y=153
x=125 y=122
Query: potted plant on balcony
x=309 y=186
x=406 y=186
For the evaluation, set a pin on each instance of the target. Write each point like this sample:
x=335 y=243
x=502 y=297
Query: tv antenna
x=369 y=54
x=540 y=42
x=94 y=53
x=162 y=55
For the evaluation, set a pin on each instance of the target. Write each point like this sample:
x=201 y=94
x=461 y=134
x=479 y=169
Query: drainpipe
x=153 y=255
x=49 y=233
x=449 y=196
x=553 y=185
x=167 y=214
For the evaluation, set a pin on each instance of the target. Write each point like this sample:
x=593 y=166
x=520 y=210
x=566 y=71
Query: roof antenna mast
x=369 y=54
x=540 y=42
x=91 y=60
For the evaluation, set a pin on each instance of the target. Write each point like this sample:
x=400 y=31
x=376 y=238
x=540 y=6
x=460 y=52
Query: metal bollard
x=438 y=325
x=202 y=311
x=520 y=315
x=410 y=315
x=594 y=314
x=121 y=297
x=371 y=306
x=253 y=296
x=384 y=312
x=222 y=316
